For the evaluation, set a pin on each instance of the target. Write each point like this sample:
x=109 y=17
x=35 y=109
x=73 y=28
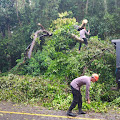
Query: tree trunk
x=17 y=12
x=93 y=5
x=9 y=32
x=105 y=6
x=116 y=5
x=3 y=30
x=87 y=7
x=35 y=37
x=33 y=43
x=16 y=8
x=77 y=38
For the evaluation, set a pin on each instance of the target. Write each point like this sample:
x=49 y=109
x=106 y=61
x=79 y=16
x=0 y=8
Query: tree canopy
x=18 y=20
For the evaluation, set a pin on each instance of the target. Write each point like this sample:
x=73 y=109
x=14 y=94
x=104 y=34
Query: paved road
x=10 y=111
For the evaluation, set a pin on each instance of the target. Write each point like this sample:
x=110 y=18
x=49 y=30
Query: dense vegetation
x=44 y=79
x=19 y=18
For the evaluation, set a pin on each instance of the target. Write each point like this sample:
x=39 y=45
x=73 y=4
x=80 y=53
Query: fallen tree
x=29 y=49
x=75 y=37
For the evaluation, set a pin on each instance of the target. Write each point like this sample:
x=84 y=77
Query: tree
x=19 y=18
x=8 y=16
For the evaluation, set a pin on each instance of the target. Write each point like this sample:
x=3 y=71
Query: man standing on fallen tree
x=83 y=31
x=77 y=97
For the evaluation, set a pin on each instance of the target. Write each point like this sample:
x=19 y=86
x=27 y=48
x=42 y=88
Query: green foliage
x=30 y=89
x=96 y=106
x=116 y=101
x=50 y=94
x=58 y=58
x=59 y=55
x=18 y=19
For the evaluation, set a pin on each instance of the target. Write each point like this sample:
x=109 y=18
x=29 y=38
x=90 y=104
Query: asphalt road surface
x=11 y=111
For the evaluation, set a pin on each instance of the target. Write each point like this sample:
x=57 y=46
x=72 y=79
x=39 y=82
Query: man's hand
x=88 y=101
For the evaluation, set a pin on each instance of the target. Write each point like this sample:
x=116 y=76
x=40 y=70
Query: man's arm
x=87 y=32
x=87 y=93
x=88 y=101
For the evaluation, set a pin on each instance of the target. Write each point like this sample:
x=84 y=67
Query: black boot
x=69 y=113
x=81 y=112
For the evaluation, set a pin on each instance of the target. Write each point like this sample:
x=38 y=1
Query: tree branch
x=76 y=38
x=29 y=49
x=93 y=58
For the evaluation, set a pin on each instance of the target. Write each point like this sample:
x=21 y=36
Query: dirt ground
x=11 y=111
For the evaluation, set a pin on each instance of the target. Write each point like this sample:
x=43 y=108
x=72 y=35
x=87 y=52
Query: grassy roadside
x=49 y=93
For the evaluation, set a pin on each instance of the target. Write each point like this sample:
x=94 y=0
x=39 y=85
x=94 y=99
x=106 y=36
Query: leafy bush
x=26 y=88
x=116 y=101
